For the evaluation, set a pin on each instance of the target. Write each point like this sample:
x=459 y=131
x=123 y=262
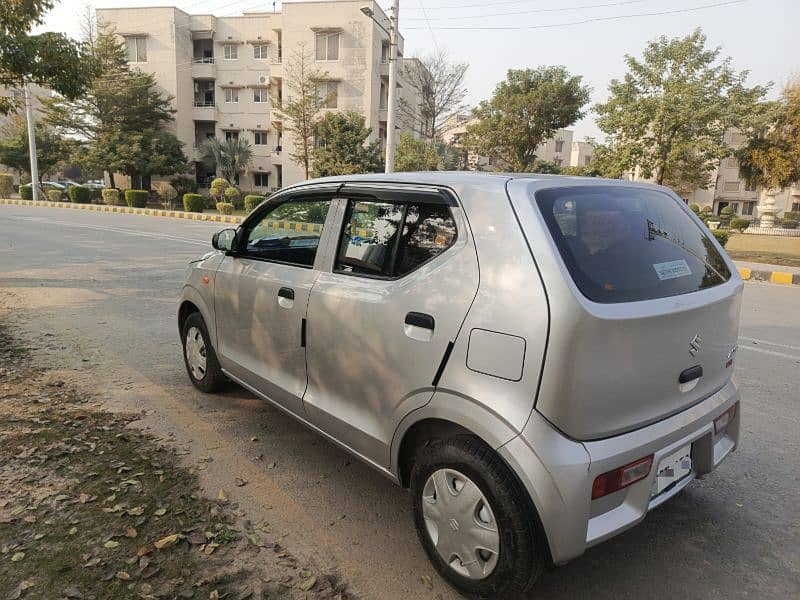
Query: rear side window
x=391 y=239
x=628 y=244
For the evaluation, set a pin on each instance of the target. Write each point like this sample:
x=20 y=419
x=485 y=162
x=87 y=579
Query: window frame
x=323 y=103
x=262 y=93
x=234 y=93
x=401 y=199
x=252 y=221
x=234 y=51
x=327 y=35
x=263 y=51
x=256 y=135
x=136 y=39
x=260 y=173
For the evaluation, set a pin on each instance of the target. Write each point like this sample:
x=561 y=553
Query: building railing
x=276 y=59
x=203 y=60
x=203 y=104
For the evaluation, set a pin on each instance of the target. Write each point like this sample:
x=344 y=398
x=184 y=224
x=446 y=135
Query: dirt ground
x=92 y=506
x=768 y=249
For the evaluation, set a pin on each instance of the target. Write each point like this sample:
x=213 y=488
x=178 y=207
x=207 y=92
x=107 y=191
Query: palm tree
x=230 y=157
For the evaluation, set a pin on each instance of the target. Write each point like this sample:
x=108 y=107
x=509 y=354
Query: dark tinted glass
x=289 y=233
x=429 y=230
x=627 y=244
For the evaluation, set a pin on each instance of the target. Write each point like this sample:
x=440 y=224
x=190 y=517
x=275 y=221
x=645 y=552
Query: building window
x=137 y=49
x=261 y=179
x=747 y=208
x=557 y=162
x=732 y=163
x=750 y=187
x=231 y=136
x=230 y=51
x=259 y=95
x=385 y=52
x=327 y=94
x=232 y=95
x=260 y=138
x=328 y=46
x=587 y=160
x=260 y=51
x=559 y=145
x=795 y=206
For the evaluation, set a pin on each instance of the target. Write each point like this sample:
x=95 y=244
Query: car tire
x=199 y=356
x=521 y=549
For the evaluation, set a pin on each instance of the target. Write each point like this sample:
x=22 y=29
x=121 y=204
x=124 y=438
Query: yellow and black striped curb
x=152 y=212
x=781 y=277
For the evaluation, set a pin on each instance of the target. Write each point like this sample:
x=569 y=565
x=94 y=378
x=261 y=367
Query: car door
x=261 y=294
x=381 y=319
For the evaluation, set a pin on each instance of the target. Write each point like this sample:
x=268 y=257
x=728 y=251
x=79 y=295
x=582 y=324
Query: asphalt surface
x=97 y=292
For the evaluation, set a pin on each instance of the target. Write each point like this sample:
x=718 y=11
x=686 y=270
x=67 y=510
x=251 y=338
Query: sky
x=586 y=36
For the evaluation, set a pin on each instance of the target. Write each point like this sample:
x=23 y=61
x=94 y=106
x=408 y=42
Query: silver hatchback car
x=541 y=360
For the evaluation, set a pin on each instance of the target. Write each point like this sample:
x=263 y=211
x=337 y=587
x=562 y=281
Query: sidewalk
x=750 y=271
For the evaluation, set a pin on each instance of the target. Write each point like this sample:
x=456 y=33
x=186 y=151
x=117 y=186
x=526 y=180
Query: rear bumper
x=558 y=472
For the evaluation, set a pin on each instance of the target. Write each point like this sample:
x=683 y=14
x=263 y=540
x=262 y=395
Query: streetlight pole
x=32 y=142
x=391 y=116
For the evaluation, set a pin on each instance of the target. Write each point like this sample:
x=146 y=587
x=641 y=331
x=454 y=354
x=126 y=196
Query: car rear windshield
x=627 y=244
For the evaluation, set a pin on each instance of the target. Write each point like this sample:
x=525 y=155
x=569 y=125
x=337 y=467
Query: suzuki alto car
x=541 y=360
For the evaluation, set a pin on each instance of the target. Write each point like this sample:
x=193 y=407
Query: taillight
x=722 y=421
x=621 y=478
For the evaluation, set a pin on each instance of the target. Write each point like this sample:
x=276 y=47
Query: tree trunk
x=111 y=179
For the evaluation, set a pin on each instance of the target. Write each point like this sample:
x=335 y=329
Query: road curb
x=151 y=212
x=779 y=277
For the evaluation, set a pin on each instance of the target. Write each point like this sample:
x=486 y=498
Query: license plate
x=673 y=468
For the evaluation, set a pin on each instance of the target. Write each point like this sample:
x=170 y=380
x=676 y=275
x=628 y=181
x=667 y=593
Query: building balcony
x=204 y=111
x=203 y=68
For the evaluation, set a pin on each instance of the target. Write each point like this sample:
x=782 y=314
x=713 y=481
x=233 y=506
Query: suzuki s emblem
x=453 y=524
x=694 y=344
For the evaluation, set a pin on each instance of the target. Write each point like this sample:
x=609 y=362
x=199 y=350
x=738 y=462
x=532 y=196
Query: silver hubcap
x=460 y=523
x=196 y=353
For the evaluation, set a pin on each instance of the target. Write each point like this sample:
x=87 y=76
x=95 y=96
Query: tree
x=230 y=157
x=413 y=154
x=303 y=106
x=118 y=101
x=667 y=116
x=439 y=85
x=771 y=157
x=341 y=146
x=51 y=148
x=48 y=59
x=525 y=110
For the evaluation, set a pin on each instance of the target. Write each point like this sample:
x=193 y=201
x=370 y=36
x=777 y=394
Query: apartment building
x=581 y=154
x=37 y=93
x=228 y=75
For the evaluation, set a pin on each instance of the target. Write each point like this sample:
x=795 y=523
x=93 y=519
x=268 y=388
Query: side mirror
x=223 y=240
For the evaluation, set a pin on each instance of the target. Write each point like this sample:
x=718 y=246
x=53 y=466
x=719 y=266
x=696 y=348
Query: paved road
x=104 y=287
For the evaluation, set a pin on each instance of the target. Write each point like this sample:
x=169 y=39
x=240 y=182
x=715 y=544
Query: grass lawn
x=765 y=249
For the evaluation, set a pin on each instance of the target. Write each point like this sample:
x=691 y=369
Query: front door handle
x=286 y=292
x=422 y=320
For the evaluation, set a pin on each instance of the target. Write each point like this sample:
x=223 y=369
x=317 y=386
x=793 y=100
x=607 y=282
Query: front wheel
x=198 y=354
x=472 y=519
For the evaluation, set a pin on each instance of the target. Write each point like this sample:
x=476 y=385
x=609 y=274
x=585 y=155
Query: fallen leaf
x=131 y=532
x=84 y=498
x=73 y=531
x=427 y=581
x=124 y=575
x=167 y=541
x=111 y=544
x=18 y=556
x=309 y=583
x=241 y=482
x=38 y=536
x=222 y=496
x=197 y=537
x=160 y=512
x=146 y=549
x=253 y=439
x=136 y=510
x=93 y=562
x=21 y=587
x=72 y=592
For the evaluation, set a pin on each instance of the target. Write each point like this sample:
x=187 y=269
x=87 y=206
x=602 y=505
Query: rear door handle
x=422 y=320
x=286 y=292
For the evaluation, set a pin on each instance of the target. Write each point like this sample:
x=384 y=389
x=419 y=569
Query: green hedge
x=54 y=195
x=26 y=192
x=193 y=202
x=234 y=196
x=6 y=185
x=225 y=208
x=792 y=216
x=136 y=198
x=721 y=235
x=79 y=194
x=95 y=194
x=251 y=201
x=111 y=196
x=789 y=224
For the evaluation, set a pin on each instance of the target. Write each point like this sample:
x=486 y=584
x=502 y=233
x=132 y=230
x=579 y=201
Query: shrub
x=136 y=198
x=251 y=201
x=789 y=224
x=740 y=224
x=705 y=210
x=721 y=235
x=225 y=208
x=166 y=194
x=193 y=202
x=54 y=195
x=95 y=194
x=26 y=192
x=111 y=196
x=792 y=215
x=218 y=187
x=6 y=185
x=695 y=208
x=233 y=196
x=79 y=194
x=184 y=185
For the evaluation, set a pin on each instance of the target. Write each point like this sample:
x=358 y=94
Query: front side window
x=259 y=95
x=628 y=244
x=136 y=48
x=231 y=95
x=260 y=51
x=230 y=52
x=327 y=45
x=260 y=138
x=327 y=94
x=288 y=233
x=231 y=136
x=261 y=180
x=387 y=240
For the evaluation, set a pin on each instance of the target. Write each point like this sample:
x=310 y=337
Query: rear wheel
x=472 y=519
x=199 y=356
